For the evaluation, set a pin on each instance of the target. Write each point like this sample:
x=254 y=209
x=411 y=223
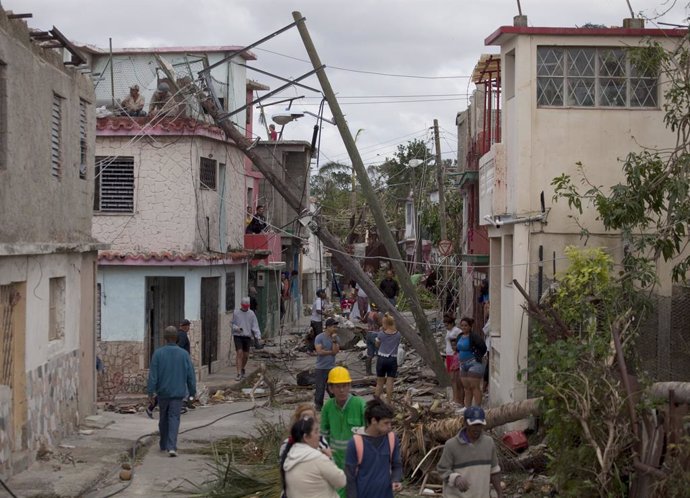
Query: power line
x=389 y=96
x=362 y=71
x=390 y=102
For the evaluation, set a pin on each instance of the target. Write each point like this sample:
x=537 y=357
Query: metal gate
x=164 y=307
x=210 y=287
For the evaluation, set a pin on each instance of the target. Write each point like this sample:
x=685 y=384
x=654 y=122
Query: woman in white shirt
x=452 y=365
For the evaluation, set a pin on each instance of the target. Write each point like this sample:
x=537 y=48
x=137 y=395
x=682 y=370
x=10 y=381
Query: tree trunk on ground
x=659 y=391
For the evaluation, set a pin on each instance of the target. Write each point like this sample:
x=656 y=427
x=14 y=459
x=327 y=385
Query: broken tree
x=423 y=342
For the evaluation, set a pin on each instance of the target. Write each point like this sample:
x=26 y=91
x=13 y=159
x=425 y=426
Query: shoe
x=172 y=453
x=149 y=412
x=244 y=374
x=238 y=377
x=460 y=411
x=183 y=410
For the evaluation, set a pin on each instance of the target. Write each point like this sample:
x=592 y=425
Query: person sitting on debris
x=452 y=365
x=245 y=326
x=471 y=350
x=306 y=471
x=341 y=414
x=387 y=342
x=326 y=346
x=162 y=102
x=305 y=410
x=372 y=461
x=469 y=462
x=133 y=104
x=171 y=376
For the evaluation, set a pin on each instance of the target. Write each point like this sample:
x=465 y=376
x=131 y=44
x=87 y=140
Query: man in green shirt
x=341 y=415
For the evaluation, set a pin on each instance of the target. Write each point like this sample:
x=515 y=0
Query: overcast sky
x=438 y=40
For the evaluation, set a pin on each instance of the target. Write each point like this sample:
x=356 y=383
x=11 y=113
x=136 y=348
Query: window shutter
x=56 y=137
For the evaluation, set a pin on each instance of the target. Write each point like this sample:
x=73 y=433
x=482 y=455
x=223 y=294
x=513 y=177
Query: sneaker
x=238 y=377
x=244 y=374
x=183 y=410
x=172 y=453
x=149 y=412
x=460 y=411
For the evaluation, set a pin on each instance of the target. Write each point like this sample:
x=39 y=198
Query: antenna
x=519 y=8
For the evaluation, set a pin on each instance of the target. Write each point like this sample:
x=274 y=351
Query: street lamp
x=288 y=115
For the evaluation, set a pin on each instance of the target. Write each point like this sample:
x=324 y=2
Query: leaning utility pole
x=440 y=178
x=433 y=358
x=429 y=354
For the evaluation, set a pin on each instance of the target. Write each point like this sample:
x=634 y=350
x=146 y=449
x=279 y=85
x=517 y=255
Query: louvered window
x=207 y=173
x=594 y=77
x=56 y=137
x=114 y=184
x=82 y=139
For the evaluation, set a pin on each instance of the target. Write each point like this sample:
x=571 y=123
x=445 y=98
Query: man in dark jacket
x=183 y=335
x=258 y=223
x=389 y=287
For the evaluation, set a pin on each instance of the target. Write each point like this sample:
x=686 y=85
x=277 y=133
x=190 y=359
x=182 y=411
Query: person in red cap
x=245 y=327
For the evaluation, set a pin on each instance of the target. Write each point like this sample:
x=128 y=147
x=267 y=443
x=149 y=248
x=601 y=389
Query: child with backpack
x=372 y=461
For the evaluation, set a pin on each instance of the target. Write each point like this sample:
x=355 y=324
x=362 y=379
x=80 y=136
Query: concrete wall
x=59 y=374
x=123 y=347
x=540 y=144
x=170 y=209
x=34 y=205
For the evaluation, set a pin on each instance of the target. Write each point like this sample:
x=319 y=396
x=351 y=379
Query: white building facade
x=569 y=96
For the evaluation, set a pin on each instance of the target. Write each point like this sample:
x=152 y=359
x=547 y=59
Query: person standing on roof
x=341 y=415
x=469 y=462
x=245 y=326
x=372 y=462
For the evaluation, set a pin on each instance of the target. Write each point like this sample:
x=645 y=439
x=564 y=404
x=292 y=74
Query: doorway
x=164 y=306
x=210 y=289
x=12 y=354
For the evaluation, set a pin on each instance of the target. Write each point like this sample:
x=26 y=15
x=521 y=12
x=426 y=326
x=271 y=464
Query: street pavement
x=88 y=465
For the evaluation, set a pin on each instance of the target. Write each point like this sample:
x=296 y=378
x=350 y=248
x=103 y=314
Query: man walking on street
x=389 y=287
x=171 y=375
x=245 y=327
x=469 y=462
x=341 y=415
x=326 y=345
x=372 y=461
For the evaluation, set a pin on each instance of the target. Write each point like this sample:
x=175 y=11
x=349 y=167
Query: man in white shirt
x=245 y=327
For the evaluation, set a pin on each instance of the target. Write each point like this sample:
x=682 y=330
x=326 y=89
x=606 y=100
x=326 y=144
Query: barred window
x=593 y=77
x=56 y=137
x=82 y=139
x=114 y=184
x=207 y=173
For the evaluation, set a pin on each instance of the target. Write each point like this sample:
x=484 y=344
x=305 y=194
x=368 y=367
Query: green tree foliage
x=332 y=187
x=585 y=418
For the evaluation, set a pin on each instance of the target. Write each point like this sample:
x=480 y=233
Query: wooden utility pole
x=440 y=178
x=429 y=354
x=432 y=357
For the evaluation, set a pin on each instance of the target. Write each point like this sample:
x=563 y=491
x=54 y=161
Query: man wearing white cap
x=469 y=462
x=133 y=104
x=245 y=326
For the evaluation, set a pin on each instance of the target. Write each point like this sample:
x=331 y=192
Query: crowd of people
x=344 y=446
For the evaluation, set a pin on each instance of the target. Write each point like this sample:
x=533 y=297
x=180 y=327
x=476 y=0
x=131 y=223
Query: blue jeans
x=392 y=301
x=320 y=378
x=169 y=422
